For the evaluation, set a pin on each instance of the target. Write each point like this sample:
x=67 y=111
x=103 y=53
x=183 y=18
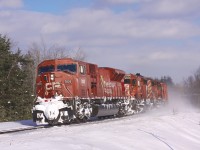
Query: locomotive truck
x=69 y=90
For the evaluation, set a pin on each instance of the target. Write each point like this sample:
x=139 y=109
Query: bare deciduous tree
x=192 y=88
x=40 y=51
x=79 y=55
x=192 y=83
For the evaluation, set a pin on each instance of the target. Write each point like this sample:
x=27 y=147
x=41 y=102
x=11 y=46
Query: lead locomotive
x=70 y=90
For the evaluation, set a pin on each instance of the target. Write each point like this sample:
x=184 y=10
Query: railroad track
x=92 y=121
x=22 y=129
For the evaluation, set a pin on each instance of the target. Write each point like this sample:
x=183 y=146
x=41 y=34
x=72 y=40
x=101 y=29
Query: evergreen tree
x=15 y=86
x=168 y=80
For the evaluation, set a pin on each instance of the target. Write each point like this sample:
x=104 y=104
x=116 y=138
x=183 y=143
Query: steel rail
x=74 y=123
x=22 y=129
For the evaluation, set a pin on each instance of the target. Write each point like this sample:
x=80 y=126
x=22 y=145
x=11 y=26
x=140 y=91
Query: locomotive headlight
x=52 y=77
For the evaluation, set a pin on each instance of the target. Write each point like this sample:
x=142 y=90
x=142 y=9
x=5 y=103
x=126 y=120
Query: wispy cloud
x=11 y=3
x=155 y=8
x=117 y=2
x=153 y=37
x=165 y=8
x=162 y=56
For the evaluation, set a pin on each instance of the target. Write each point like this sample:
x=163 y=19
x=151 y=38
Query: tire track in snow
x=157 y=137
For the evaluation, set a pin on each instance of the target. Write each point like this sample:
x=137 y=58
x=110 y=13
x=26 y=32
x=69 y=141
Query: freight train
x=69 y=90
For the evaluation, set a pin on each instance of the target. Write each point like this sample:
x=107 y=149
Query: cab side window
x=82 y=69
x=134 y=82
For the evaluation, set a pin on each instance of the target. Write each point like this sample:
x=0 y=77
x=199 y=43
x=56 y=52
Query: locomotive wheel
x=82 y=120
x=83 y=111
x=67 y=122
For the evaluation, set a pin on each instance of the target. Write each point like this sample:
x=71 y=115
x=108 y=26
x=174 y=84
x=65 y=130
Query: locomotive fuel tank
x=105 y=110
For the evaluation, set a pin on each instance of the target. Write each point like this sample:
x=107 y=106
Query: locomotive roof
x=74 y=60
x=114 y=69
x=68 y=59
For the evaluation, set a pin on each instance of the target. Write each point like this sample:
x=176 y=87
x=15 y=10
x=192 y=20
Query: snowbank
x=160 y=129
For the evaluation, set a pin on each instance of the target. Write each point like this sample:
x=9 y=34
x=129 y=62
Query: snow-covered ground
x=161 y=129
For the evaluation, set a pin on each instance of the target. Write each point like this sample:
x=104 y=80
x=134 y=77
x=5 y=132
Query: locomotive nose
x=51 y=112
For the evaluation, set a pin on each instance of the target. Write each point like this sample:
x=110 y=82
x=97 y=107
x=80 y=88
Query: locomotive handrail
x=67 y=90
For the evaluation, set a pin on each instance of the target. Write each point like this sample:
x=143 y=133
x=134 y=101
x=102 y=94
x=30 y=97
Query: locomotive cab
x=55 y=87
x=135 y=86
x=55 y=78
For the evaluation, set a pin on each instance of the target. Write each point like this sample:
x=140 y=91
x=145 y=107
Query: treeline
x=18 y=74
x=192 y=83
x=168 y=80
x=192 y=88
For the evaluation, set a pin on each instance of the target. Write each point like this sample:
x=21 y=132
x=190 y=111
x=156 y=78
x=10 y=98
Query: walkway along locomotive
x=69 y=90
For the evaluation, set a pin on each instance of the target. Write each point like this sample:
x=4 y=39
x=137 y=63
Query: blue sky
x=153 y=37
x=62 y=6
x=54 y=7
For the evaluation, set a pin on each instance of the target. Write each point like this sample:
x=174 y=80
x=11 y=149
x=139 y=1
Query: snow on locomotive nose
x=51 y=112
x=44 y=110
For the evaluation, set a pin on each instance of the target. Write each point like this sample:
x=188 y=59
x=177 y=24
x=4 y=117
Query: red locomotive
x=68 y=89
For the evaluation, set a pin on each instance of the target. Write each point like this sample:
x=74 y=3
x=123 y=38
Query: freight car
x=70 y=90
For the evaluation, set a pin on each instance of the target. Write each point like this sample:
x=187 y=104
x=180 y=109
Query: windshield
x=67 y=67
x=127 y=81
x=44 y=69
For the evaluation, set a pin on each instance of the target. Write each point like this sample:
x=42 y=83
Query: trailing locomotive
x=69 y=90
